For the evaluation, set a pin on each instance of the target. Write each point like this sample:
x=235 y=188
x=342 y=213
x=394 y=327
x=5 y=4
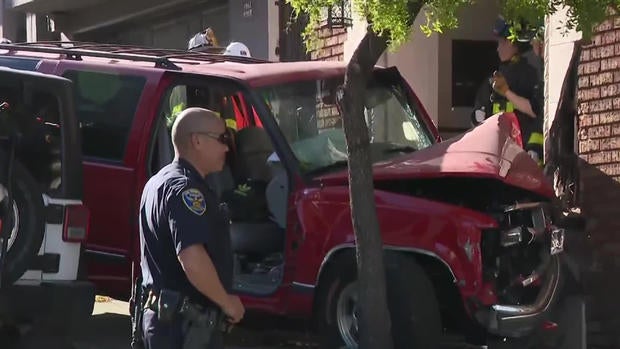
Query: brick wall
x=331 y=48
x=599 y=151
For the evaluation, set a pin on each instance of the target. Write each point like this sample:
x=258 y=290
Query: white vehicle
x=43 y=221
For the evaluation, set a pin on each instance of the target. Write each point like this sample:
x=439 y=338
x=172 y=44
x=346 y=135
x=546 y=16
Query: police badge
x=195 y=201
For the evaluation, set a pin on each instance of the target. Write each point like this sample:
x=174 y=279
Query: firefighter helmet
x=205 y=38
x=237 y=49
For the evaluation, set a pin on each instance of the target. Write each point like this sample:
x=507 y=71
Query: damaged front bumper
x=520 y=320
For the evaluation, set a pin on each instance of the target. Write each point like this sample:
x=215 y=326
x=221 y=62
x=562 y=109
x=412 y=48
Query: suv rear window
x=106 y=104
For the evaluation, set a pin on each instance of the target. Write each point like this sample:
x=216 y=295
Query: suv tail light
x=77 y=223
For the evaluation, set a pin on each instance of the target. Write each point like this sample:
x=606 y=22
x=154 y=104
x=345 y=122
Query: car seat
x=252 y=231
x=253 y=148
x=277 y=193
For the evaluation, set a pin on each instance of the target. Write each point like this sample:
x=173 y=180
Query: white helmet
x=237 y=49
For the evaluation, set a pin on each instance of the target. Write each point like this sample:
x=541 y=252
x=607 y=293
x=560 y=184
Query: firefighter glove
x=499 y=83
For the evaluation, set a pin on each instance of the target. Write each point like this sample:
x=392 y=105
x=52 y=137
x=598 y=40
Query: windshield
x=312 y=123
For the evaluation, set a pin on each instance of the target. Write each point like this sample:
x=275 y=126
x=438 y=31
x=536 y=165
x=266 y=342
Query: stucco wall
x=426 y=62
x=558 y=51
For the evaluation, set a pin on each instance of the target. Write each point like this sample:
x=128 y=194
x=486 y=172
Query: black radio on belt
x=168 y=305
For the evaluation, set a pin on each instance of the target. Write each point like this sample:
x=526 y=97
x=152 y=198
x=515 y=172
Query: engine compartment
x=515 y=254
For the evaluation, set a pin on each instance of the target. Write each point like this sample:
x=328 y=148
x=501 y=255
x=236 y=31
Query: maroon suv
x=473 y=241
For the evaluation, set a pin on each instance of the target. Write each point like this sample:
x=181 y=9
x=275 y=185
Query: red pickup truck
x=473 y=240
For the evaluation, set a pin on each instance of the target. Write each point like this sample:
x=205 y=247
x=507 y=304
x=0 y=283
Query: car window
x=19 y=63
x=311 y=122
x=230 y=105
x=106 y=104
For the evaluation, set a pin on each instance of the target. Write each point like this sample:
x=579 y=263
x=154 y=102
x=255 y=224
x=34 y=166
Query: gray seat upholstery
x=253 y=148
x=221 y=181
x=277 y=194
x=165 y=149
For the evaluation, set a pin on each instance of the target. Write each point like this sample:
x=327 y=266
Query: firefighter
x=515 y=87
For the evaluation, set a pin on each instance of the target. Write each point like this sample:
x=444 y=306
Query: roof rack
x=77 y=54
x=161 y=57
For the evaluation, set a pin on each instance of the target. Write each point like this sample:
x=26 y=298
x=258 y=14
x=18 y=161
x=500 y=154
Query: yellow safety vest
x=536 y=138
x=498 y=107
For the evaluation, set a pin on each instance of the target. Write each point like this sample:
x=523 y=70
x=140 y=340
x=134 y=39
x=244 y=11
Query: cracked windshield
x=311 y=122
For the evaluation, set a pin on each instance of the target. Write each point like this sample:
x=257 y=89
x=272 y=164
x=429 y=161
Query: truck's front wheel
x=26 y=223
x=415 y=316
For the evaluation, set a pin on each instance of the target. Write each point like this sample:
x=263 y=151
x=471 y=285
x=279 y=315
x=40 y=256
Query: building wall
x=418 y=62
x=332 y=45
x=251 y=22
x=330 y=49
x=426 y=62
x=559 y=46
x=167 y=31
x=475 y=26
x=12 y=23
x=157 y=23
x=599 y=153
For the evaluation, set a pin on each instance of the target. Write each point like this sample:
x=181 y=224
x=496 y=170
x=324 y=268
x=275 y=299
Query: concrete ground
x=109 y=328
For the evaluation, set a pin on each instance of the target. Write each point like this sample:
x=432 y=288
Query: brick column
x=330 y=49
x=332 y=45
x=599 y=152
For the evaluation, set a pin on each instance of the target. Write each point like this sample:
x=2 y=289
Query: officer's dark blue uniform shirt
x=178 y=210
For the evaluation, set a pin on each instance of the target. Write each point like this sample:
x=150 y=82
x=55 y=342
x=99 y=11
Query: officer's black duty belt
x=184 y=307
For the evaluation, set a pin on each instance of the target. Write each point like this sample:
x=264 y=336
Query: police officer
x=187 y=265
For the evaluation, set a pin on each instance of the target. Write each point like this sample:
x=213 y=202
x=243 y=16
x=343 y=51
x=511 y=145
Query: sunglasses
x=223 y=138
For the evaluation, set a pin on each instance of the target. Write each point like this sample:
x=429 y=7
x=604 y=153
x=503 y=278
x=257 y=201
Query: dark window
x=472 y=62
x=106 y=105
x=19 y=63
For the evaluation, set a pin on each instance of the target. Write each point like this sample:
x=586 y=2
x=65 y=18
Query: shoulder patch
x=194 y=200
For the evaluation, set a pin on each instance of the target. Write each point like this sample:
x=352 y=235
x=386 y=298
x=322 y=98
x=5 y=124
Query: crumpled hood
x=488 y=150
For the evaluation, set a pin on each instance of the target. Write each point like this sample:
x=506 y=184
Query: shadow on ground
x=106 y=330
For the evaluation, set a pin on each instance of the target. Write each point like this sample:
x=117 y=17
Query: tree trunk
x=374 y=324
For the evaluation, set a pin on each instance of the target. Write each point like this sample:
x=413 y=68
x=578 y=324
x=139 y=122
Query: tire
x=28 y=210
x=414 y=310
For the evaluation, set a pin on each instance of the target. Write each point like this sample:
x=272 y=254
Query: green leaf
x=391 y=17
